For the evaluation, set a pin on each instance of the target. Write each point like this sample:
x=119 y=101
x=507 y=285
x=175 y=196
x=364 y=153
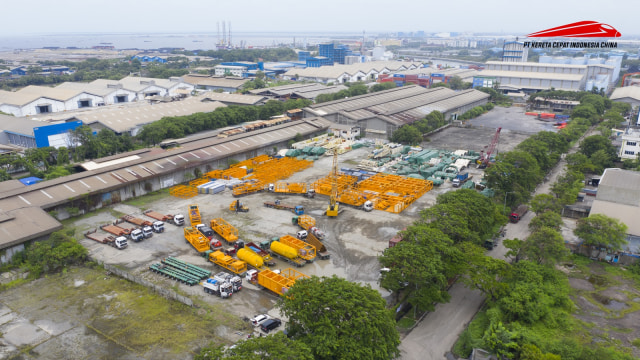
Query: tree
x=548 y=219
x=339 y=319
x=382 y=86
x=585 y=112
x=593 y=143
x=544 y=246
x=485 y=274
x=601 y=230
x=500 y=341
x=417 y=268
x=272 y=347
x=407 y=134
x=579 y=162
x=545 y=202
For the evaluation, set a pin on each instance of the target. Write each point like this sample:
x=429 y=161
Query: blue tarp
x=30 y=180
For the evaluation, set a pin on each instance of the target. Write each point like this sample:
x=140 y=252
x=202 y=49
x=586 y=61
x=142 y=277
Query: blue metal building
x=44 y=135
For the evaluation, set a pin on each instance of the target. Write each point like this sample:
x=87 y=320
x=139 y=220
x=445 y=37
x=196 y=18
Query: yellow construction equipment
x=194 y=215
x=227 y=231
x=304 y=250
x=237 y=206
x=332 y=209
x=278 y=283
x=195 y=238
x=183 y=191
x=251 y=258
x=227 y=262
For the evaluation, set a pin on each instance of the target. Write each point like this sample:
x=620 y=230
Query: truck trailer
x=461 y=178
x=196 y=239
x=177 y=220
x=119 y=242
x=227 y=262
x=296 y=209
x=277 y=283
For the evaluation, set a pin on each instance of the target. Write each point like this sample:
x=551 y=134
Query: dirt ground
x=609 y=304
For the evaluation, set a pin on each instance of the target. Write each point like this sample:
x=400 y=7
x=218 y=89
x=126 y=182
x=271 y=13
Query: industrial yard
x=354 y=239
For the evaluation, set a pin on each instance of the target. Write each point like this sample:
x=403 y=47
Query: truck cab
x=147 y=231
x=205 y=230
x=121 y=242
x=178 y=220
x=158 y=226
x=299 y=210
x=137 y=235
x=367 y=206
x=311 y=193
x=302 y=234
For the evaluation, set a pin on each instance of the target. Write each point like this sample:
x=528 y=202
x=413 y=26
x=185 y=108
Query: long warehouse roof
x=332 y=72
x=143 y=164
x=531 y=75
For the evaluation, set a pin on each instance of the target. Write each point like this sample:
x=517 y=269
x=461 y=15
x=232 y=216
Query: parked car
x=270 y=325
x=259 y=319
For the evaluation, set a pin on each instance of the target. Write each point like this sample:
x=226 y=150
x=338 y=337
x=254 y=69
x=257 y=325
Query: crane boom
x=332 y=209
x=484 y=158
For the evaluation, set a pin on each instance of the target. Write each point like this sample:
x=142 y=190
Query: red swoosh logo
x=586 y=29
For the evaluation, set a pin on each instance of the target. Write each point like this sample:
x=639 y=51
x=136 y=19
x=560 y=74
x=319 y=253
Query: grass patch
x=142 y=201
x=636 y=343
x=127 y=313
x=621 y=330
x=471 y=336
x=70 y=221
x=405 y=323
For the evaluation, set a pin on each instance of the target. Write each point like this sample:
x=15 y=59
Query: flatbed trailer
x=137 y=221
x=115 y=230
x=105 y=239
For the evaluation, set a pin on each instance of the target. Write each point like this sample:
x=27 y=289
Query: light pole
x=504 y=208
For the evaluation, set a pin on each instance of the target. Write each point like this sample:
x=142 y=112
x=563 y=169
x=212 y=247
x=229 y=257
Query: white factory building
x=560 y=73
x=35 y=100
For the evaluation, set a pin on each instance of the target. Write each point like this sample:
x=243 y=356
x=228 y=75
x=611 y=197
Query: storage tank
x=250 y=258
x=284 y=250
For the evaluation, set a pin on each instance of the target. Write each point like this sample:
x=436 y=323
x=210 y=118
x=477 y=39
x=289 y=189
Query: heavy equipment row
x=227 y=231
x=196 y=271
x=177 y=220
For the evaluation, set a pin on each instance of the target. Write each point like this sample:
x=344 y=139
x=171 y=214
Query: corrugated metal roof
x=230 y=82
x=627 y=214
x=531 y=75
x=19 y=125
x=632 y=92
x=234 y=98
x=335 y=71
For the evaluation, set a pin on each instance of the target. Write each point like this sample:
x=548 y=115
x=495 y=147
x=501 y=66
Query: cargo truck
x=258 y=250
x=293 y=188
x=297 y=209
x=119 y=242
x=115 y=230
x=322 y=252
x=222 y=289
x=304 y=250
x=137 y=235
x=286 y=253
x=461 y=178
x=277 y=283
x=177 y=220
x=518 y=213
x=196 y=239
x=227 y=262
x=234 y=280
x=309 y=224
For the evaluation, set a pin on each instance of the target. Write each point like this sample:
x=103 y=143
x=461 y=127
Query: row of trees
x=179 y=126
x=412 y=134
x=352 y=90
x=329 y=318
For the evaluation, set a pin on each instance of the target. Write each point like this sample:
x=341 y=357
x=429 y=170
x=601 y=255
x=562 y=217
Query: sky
x=27 y=17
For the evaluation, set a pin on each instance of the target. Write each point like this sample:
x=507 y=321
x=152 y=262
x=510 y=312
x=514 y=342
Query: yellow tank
x=284 y=250
x=250 y=258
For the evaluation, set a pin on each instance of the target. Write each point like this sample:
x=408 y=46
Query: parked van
x=270 y=325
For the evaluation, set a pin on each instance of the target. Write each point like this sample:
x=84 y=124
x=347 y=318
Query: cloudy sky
x=151 y=16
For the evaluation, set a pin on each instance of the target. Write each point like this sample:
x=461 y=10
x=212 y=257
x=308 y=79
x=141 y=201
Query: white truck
x=234 y=280
x=158 y=226
x=222 y=289
x=137 y=235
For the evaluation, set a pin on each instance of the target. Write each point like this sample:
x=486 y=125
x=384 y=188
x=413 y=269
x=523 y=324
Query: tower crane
x=332 y=209
x=483 y=162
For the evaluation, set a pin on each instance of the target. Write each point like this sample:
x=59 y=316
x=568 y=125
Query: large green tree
x=273 y=347
x=601 y=230
x=339 y=319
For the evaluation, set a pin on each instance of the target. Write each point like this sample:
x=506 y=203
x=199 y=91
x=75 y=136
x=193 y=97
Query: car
x=259 y=319
x=270 y=325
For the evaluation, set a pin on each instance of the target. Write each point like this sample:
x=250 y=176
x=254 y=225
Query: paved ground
x=512 y=119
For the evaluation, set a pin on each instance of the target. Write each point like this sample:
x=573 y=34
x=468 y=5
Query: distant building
x=212 y=83
x=303 y=55
x=147 y=59
x=630 y=147
x=514 y=51
x=318 y=61
x=336 y=53
x=627 y=94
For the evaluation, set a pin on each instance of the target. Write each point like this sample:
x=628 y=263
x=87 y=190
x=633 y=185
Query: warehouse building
x=24 y=217
x=235 y=99
x=339 y=74
x=213 y=83
x=297 y=91
x=380 y=114
x=627 y=94
x=619 y=197
x=35 y=100
x=532 y=77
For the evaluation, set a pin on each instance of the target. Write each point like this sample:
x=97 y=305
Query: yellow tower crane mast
x=332 y=209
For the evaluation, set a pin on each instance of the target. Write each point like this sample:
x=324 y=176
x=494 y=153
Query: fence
x=166 y=293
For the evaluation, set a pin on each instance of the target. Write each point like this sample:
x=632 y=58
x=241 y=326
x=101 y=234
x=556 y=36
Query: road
x=438 y=331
